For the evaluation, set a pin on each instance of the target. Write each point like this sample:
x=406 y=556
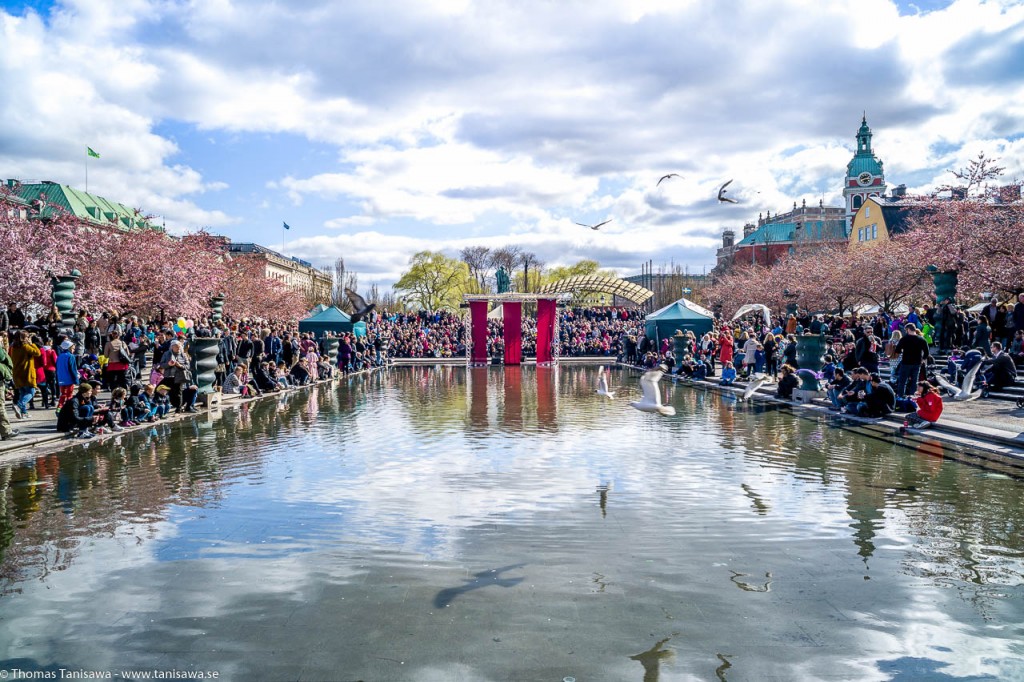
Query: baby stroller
x=131 y=375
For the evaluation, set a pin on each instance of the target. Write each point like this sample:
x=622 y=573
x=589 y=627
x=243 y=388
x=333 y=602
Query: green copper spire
x=864 y=160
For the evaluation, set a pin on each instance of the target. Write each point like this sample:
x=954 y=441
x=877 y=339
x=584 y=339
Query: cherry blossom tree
x=981 y=240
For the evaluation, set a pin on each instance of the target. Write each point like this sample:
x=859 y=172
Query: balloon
x=189 y=324
x=181 y=322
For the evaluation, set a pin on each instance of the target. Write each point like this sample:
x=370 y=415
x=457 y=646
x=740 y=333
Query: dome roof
x=863 y=162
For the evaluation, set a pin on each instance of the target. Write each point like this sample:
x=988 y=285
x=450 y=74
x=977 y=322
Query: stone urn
x=809 y=349
x=679 y=345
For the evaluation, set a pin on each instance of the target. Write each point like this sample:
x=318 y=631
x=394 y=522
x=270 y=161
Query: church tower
x=864 y=175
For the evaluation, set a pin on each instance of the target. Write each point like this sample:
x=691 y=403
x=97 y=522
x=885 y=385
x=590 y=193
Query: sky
x=380 y=129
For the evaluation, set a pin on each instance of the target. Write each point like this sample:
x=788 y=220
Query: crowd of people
x=148 y=364
x=597 y=331
x=855 y=347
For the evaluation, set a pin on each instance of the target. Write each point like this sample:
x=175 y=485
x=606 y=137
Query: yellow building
x=878 y=219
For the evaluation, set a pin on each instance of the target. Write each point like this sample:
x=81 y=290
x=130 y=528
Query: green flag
x=91 y=153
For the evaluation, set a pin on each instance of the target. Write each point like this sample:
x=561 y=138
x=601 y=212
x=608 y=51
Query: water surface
x=490 y=524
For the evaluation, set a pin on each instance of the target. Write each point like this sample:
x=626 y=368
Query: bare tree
x=478 y=259
x=529 y=260
x=978 y=172
x=338 y=298
x=343 y=279
x=506 y=257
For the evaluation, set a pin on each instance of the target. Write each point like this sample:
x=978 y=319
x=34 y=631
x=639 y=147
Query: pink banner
x=512 y=312
x=478 y=315
x=546 y=311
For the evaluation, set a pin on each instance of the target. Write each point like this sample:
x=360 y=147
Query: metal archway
x=606 y=285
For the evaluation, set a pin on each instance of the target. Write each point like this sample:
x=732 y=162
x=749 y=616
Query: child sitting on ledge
x=728 y=375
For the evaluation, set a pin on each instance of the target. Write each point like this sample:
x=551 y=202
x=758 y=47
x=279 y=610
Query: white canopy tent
x=754 y=307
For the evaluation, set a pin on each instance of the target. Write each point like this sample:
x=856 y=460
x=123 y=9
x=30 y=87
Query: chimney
x=728 y=238
x=748 y=229
x=1009 y=194
x=899 y=191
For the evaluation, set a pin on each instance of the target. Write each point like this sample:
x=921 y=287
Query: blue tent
x=327 y=320
x=683 y=314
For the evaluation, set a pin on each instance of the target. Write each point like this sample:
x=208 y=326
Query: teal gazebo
x=682 y=314
x=327 y=320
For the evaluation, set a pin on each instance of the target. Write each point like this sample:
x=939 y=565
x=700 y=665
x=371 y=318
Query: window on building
x=874 y=231
x=857 y=201
x=867 y=211
x=860 y=234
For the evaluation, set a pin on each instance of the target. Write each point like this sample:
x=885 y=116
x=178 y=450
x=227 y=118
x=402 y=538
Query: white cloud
x=450 y=136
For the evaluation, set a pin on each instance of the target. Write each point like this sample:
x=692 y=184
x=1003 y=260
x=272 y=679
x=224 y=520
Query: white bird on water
x=602 y=385
x=651 y=401
x=961 y=393
x=756 y=382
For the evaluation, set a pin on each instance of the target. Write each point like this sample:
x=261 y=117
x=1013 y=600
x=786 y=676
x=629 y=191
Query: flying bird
x=756 y=382
x=666 y=177
x=602 y=385
x=651 y=401
x=595 y=227
x=721 y=194
x=359 y=304
x=962 y=393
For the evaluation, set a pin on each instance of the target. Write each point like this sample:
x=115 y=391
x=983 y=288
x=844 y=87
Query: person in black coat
x=788 y=383
x=880 y=401
x=1000 y=371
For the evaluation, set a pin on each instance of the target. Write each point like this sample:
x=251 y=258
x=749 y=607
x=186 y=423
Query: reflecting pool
x=507 y=524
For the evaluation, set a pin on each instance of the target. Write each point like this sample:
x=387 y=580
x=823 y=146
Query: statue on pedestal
x=503 y=280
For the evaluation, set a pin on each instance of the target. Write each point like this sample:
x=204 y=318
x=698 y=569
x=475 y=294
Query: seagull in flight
x=666 y=177
x=602 y=385
x=359 y=304
x=756 y=382
x=651 y=401
x=595 y=227
x=721 y=195
x=965 y=392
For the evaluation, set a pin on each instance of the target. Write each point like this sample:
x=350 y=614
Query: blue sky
x=380 y=129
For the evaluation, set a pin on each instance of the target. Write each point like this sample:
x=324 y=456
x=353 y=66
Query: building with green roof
x=48 y=199
x=865 y=176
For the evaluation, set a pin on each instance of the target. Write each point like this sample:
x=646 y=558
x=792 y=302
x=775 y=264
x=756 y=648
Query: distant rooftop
x=47 y=199
x=250 y=247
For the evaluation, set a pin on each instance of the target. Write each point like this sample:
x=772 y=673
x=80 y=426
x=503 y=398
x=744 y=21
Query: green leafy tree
x=434 y=281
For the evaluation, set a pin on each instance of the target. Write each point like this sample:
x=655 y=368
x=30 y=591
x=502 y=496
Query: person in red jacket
x=46 y=375
x=929 y=407
x=725 y=347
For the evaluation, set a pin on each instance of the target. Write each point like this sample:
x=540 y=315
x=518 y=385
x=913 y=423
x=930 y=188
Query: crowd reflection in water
x=125 y=484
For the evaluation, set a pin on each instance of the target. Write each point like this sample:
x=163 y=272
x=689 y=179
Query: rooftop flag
x=286 y=225
x=91 y=153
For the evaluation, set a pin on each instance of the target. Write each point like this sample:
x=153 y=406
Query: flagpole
x=87 y=173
